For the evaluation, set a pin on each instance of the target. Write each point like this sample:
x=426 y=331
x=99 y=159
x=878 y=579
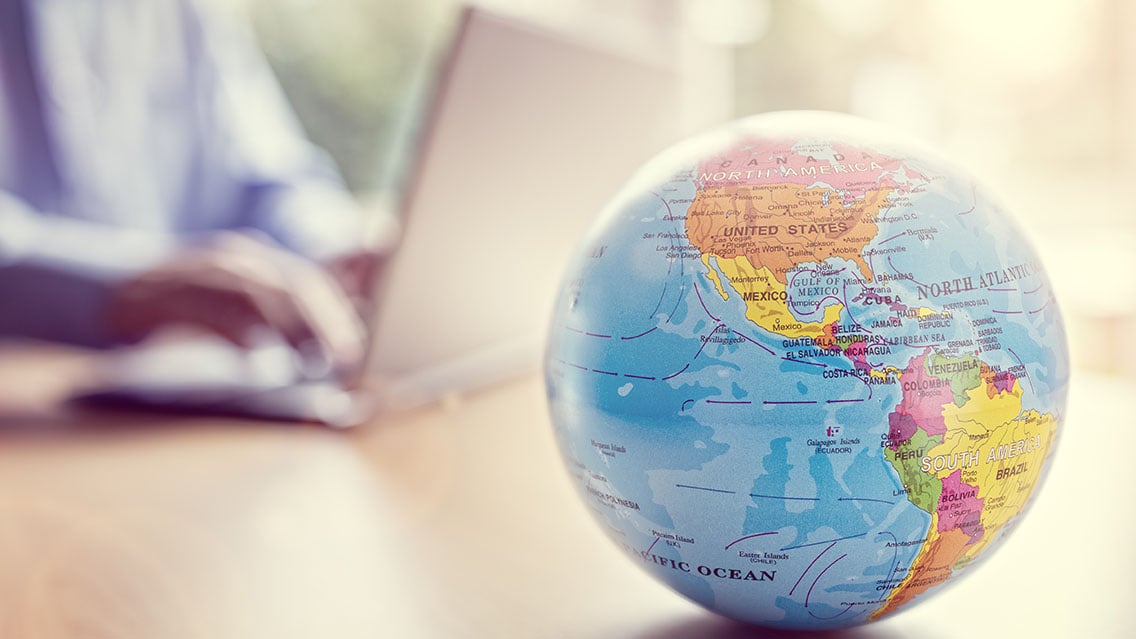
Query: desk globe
x=804 y=373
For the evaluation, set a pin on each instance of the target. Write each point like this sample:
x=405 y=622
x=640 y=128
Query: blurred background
x=116 y=524
x=1038 y=99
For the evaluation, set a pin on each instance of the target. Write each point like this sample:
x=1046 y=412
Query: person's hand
x=237 y=286
x=355 y=273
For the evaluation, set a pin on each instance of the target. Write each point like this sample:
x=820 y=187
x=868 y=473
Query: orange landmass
x=827 y=339
x=932 y=567
x=996 y=381
x=778 y=226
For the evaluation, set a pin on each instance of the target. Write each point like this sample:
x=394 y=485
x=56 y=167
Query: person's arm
x=79 y=281
x=57 y=274
x=74 y=281
x=291 y=189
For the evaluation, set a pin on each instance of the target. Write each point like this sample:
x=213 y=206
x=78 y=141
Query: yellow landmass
x=768 y=307
x=1004 y=497
x=1000 y=450
x=981 y=413
x=932 y=566
x=885 y=372
x=712 y=275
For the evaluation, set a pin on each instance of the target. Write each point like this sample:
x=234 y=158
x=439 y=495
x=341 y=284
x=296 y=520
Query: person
x=152 y=175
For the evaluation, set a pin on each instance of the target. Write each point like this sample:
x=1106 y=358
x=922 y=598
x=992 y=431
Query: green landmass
x=963 y=373
x=923 y=489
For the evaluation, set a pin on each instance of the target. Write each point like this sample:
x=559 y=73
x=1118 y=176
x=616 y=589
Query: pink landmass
x=857 y=351
x=852 y=171
x=960 y=507
x=901 y=427
x=1000 y=382
x=924 y=396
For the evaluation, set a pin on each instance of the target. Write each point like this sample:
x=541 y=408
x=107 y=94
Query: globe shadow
x=710 y=626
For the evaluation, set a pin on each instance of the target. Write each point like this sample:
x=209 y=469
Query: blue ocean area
x=710 y=442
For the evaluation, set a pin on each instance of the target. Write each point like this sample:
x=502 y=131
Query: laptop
x=527 y=133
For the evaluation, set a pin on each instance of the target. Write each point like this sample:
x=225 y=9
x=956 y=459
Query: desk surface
x=452 y=521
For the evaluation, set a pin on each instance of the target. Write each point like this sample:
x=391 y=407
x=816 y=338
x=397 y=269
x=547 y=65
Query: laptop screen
x=528 y=134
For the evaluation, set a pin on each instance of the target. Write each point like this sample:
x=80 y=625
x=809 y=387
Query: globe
x=804 y=372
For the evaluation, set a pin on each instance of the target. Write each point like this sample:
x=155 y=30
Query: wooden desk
x=454 y=521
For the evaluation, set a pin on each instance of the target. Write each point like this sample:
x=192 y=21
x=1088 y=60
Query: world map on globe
x=805 y=374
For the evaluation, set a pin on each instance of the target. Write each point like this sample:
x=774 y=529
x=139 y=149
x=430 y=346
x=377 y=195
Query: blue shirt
x=127 y=128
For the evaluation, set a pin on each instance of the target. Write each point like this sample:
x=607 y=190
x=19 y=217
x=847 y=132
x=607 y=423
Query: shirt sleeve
x=57 y=273
x=292 y=189
x=251 y=167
